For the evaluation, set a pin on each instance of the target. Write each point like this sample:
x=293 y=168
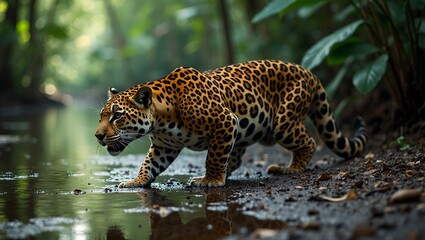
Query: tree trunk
x=226 y=31
x=37 y=53
x=119 y=39
x=6 y=49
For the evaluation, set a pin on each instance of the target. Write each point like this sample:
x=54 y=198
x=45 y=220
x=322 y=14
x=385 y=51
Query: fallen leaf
x=323 y=177
x=368 y=161
x=344 y=175
x=369 y=155
x=380 y=185
x=370 y=171
x=262 y=233
x=405 y=195
x=411 y=164
x=312 y=225
x=350 y=195
x=389 y=210
x=410 y=173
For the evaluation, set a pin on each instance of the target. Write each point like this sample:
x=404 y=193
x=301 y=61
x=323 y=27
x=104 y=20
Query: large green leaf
x=319 y=51
x=368 y=77
x=282 y=7
x=352 y=47
x=274 y=7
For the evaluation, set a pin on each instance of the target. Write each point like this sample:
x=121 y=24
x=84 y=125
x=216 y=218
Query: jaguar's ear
x=143 y=97
x=112 y=91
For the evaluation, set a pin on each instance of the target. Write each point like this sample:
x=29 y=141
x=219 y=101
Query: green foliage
x=350 y=48
x=402 y=143
x=369 y=76
x=56 y=31
x=274 y=7
x=283 y=7
x=319 y=51
x=394 y=33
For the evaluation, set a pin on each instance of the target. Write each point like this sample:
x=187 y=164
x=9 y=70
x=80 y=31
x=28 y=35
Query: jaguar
x=223 y=111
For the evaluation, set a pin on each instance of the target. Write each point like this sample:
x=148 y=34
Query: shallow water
x=56 y=182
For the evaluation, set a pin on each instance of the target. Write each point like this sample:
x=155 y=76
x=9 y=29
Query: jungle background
x=59 y=57
x=57 y=51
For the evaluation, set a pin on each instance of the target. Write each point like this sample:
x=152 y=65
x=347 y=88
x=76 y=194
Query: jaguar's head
x=125 y=117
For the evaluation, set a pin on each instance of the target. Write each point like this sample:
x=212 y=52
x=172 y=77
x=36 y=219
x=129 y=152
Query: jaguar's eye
x=117 y=115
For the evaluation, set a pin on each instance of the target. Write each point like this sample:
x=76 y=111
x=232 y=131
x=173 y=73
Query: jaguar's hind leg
x=302 y=146
x=235 y=159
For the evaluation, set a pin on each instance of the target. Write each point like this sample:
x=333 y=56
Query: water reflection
x=46 y=154
x=221 y=218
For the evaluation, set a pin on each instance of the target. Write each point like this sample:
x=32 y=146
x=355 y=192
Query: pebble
x=312 y=211
x=78 y=192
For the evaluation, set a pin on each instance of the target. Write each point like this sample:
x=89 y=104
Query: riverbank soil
x=379 y=195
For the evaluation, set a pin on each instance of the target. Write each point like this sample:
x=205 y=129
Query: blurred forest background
x=62 y=50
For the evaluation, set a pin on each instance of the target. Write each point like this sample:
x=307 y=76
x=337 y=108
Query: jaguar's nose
x=100 y=136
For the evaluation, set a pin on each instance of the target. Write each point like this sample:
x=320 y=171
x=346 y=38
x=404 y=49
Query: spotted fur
x=223 y=111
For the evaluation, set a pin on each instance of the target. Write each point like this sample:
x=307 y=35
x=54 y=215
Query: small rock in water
x=171 y=181
x=312 y=211
x=78 y=192
x=107 y=190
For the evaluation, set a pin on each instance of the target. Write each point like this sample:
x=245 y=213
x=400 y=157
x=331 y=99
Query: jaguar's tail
x=322 y=117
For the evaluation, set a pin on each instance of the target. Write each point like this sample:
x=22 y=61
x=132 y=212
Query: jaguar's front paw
x=135 y=183
x=205 y=181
